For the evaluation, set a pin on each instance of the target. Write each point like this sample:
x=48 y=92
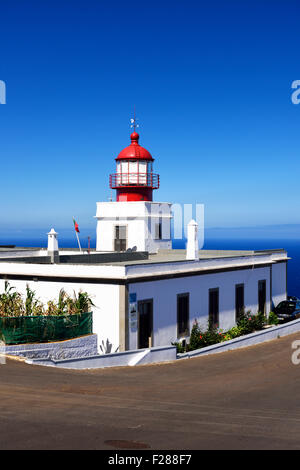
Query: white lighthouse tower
x=134 y=222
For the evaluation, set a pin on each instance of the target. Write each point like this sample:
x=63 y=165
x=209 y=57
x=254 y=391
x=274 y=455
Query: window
x=133 y=169
x=143 y=173
x=213 y=313
x=262 y=296
x=183 y=315
x=239 y=300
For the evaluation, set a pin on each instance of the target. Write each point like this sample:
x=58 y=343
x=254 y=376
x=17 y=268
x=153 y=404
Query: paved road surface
x=246 y=399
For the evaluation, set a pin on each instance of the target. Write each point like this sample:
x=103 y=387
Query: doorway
x=145 y=330
x=120 y=238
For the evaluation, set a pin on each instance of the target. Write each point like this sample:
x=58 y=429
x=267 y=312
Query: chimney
x=53 y=246
x=192 y=247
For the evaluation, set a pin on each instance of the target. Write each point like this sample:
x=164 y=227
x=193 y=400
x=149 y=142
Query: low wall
x=71 y=348
x=127 y=358
x=247 y=340
x=81 y=353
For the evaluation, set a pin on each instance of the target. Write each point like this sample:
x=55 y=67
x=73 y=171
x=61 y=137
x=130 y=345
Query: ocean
x=67 y=239
x=292 y=247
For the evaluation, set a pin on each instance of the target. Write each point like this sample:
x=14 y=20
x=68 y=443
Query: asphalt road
x=246 y=399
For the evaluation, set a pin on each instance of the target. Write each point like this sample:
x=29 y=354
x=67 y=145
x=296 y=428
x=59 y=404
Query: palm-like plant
x=11 y=303
x=32 y=305
x=83 y=302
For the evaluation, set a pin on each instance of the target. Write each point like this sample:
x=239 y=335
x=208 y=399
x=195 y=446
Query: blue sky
x=211 y=83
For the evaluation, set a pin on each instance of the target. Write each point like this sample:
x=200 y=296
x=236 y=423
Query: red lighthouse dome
x=134 y=179
x=134 y=150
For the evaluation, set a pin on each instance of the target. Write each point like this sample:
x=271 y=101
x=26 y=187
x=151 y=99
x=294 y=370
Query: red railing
x=148 y=180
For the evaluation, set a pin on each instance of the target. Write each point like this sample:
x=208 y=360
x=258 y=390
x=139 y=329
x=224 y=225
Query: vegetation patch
x=28 y=320
x=247 y=323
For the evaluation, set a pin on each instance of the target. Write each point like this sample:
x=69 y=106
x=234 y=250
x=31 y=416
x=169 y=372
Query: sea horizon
x=67 y=239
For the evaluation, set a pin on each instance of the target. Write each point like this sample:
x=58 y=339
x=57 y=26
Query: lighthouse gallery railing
x=150 y=180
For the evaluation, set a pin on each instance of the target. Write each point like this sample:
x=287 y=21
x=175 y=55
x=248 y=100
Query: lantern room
x=134 y=179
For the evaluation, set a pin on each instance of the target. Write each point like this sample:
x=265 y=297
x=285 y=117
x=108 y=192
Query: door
x=120 y=238
x=145 y=309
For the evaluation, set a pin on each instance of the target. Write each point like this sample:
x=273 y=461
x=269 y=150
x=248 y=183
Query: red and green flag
x=76 y=225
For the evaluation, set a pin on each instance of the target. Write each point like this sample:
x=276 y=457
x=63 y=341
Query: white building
x=145 y=293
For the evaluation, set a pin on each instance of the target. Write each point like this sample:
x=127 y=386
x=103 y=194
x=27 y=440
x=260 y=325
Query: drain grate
x=122 y=444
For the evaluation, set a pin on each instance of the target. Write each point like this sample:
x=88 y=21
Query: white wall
x=164 y=295
x=278 y=283
x=163 y=292
x=104 y=296
x=140 y=218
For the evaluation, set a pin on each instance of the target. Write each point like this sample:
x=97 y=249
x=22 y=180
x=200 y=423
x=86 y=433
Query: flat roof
x=124 y=267
x=179 y=255
x=127 y=258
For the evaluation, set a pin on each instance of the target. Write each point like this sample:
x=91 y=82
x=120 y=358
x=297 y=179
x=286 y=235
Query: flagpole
x=78 y=240
x=77 y=235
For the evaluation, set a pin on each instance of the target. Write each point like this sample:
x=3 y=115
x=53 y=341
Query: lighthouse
x=134 y=222
x=134 y=179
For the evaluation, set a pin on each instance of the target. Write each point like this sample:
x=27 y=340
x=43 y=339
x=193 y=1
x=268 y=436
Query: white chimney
x=192 y=247
x=53 y=246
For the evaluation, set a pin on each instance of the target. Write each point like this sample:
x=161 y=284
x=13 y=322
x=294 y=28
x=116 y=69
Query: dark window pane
x=214 y=307
x=183 y=314
x=120 y=238
x=262 y=296
x=239 y=300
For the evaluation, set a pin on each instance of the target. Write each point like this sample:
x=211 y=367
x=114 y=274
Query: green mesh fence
x=42 y=329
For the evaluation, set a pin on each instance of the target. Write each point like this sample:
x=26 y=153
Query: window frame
x=186 y=332
x=264 y=281
x=213 y=323
x=237 y=314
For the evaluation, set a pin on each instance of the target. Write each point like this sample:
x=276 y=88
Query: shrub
x=234 y=332
x=195 y=337
x=246 y=324
x=179 y=347
x=200 y=338
x=273 y=319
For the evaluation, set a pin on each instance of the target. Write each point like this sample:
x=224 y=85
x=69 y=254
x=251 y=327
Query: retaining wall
x=247 y=340
x=81 y=353
x=71 y=348
x=127 y=358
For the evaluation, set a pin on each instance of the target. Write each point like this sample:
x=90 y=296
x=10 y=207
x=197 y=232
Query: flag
x=75 y=225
